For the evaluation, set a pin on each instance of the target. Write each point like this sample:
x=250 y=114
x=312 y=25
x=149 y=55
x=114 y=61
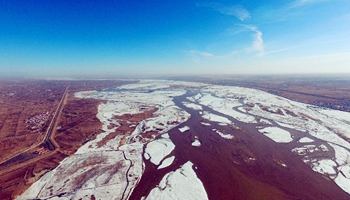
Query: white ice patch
x=165 y=119
x=183 y=129
x=161 y=84
x=277 y=134
x=158 y=149
x=205 y=124
x=195 y=98
x=226 y=107
x=305 y=140
x=264 y=121
x=196 y=143
x=167 y=162
x=343 y=182
x=303 y=150
x=323 y=147
x=324 y=167
x=224 y=135
x=192 y=106
x=180 y=184
x=216 y=118
x=342 y=155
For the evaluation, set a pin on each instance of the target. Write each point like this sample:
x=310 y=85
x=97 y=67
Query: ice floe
x=264 y=121
x=192 y=106
x=167 y=162
x=216 y=118
x=184 y=129
x=305 y=140
x=196 y=142
x=158 y=149
x=343 y=182
x=224 y=135
x=277 y=134
x=180 y=184
x=205 y=124
x=303 y=150
x=325 y=167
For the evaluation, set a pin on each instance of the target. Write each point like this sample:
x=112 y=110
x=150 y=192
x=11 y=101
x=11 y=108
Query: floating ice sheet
x=181 y=184
x=277 y=134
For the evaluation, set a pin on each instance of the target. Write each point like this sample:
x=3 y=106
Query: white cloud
x=298 y=3
x=285 y=49
x=258 y=42
x=237 y=10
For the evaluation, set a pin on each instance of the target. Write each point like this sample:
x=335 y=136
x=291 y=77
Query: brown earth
x=23 y=99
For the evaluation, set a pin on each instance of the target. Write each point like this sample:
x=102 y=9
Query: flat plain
x=223 y=140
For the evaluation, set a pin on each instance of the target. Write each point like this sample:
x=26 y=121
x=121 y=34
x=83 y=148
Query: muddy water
x=246 y=167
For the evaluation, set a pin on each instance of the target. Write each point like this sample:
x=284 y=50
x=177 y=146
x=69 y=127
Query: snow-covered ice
x=303 y=150
x=226 y=107
x=167 y=162
x=264 y=121
x=216 y=118
x=192 y=106
x=343 y=182
x=325 y=166
x=305 y=140
x=224 y=135
x=158 y=149
x=184 y=129
x=277 y=134
x=178 y=185
x=205 y=124
x=196 y=143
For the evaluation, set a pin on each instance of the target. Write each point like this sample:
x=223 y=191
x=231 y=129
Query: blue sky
x=50 y=38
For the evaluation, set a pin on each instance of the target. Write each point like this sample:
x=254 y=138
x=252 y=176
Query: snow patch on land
x=79 y=173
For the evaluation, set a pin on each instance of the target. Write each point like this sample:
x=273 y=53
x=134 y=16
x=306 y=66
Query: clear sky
x=82 y=37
